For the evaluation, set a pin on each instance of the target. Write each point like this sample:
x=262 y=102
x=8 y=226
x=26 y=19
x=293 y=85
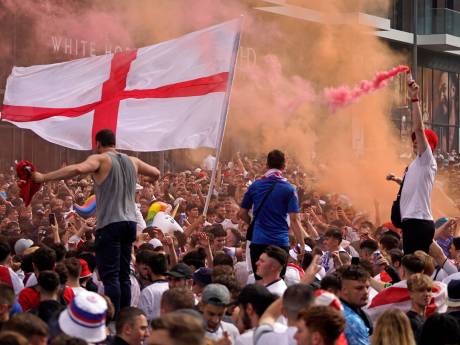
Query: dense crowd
x=350 y=284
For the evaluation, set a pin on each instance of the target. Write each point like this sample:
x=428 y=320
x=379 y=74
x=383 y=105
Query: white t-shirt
x=150 y=301
x=247 y=338
x=292 y=276
x=241 y=272
x=78 y=290
x=31 y=281
x=15 y=280
x=415 y=202
x=448 y=279
x=135 y=291
x=327 y=261
x=228 y=224
x=139 y=220
x=275 y=338
x=224 y=327
x=277 y=288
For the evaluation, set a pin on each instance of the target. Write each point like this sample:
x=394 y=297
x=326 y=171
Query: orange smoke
x=274 y=102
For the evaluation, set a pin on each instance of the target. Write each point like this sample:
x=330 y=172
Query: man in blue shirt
x=271 y=225
x=354 y=295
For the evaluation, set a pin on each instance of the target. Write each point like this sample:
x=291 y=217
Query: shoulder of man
x=287 y=185
x=262 y=333
x=231 y=328
x=99 y=156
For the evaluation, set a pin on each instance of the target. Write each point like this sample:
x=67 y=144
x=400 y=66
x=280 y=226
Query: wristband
x=414 y=100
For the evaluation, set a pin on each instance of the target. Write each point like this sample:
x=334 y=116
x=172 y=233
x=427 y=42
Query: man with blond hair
x=420 y=288
x=177 y=329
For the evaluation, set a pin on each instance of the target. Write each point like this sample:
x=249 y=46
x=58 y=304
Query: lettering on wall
x=247 y=56
x=82 y=48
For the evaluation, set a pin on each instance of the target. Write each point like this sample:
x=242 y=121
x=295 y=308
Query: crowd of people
x=52 y=291
x=273 y=261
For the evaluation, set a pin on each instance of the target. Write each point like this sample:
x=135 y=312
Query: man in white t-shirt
x=214 y=301
x=150 y=300
x=415 y=202
x=269 y=267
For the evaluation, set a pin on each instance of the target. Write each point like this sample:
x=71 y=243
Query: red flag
x=24 y=170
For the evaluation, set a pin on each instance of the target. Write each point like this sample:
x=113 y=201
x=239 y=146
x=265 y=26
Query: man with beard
x=214 y=302
x=252 y=302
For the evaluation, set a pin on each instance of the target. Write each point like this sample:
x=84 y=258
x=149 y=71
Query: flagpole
x=223 y=116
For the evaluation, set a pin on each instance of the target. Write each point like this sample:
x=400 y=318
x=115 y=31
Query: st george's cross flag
x=166 y=96
x=397 y=297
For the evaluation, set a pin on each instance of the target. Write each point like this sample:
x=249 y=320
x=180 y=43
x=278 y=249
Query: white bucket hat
x=84 y=317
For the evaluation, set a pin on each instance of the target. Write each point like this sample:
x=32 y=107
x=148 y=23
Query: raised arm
x=442 y=228
x=272 y=313
x=90 y=165
x=146 y=169
x=239 y=162
x=417 y=119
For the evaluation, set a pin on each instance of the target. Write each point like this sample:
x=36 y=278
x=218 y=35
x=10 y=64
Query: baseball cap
x=216 y=294
x=181 y=270
x=453 y=293
x=21 y=245
x=155 y=242
x=430 y=136
x=202 y=276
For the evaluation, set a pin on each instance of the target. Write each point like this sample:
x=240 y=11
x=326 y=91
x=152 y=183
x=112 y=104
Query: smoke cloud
x=284 y=65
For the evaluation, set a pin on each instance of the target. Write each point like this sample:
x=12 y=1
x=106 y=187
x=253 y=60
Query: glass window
x=440 y=97
x=441 y=107
x=453 y=98
x=456 y=5
x=427 y=95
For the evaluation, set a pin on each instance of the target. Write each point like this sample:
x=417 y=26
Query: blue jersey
x=356 y=331
x=271 y=226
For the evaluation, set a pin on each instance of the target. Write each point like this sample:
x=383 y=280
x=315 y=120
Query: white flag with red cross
x=166 y=96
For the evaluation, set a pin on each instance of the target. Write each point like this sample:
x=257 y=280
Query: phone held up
x=52 y=219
